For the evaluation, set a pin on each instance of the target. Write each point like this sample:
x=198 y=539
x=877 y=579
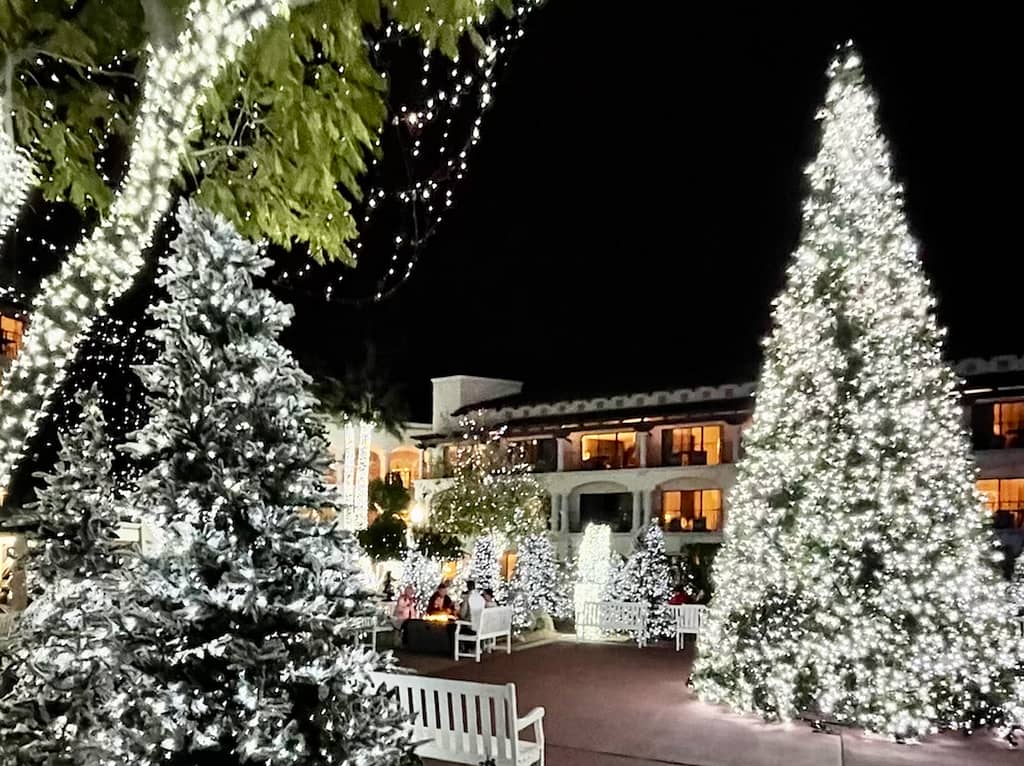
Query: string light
x=16 y=177
x=106 y=264
x=418 y=207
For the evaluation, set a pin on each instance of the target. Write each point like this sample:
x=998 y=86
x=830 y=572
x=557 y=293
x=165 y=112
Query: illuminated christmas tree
x=252 y=599
x=484 y=567
x=537 y=585
x=423 y=573
x=645 y=578
x=593 y=571
x=856 y=582
x=493 y=489
x=67 y=665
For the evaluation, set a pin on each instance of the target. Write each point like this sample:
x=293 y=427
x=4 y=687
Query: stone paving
x=616 y=705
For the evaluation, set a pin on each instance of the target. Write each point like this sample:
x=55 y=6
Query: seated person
x=488 y=595
x=472 y=602
x=405 y=607
x=441 y=602
x=680 y=596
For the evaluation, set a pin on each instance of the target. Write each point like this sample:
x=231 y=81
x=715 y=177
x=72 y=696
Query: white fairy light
x=106 y=264
x=362 y=478
x=16 y=178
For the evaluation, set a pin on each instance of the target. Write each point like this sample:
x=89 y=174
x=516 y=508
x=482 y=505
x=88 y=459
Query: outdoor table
x=429 y=636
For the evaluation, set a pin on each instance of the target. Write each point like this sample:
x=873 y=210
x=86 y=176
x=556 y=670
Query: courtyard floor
x=616 y=705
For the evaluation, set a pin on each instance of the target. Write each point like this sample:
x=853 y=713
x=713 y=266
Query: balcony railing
x=699 y=457
x=1008 y=515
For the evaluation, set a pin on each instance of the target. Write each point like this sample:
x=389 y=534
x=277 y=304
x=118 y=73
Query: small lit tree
x=537 y=585
x=485 y=568
x=423 y=573
x=593 y=569
x=645 y=579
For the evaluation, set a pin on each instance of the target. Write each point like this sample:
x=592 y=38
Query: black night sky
x=632 y=205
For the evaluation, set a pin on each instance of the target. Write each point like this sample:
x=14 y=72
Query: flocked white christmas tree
x=593 y=570
x=68 y=661
x=537 y=585
x=646 y=579
x=485 y=568
x=423 y=573
x=251 y=596
x=856 y=582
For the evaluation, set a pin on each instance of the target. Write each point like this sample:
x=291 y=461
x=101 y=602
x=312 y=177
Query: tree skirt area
x=616 y=705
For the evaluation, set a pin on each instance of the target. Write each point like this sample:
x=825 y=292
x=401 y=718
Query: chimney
x=457 y=391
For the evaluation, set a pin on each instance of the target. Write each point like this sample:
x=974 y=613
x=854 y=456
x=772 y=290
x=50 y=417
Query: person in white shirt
x=472 y=605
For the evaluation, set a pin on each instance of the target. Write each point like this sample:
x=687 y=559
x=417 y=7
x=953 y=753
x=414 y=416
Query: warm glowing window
x=10 y=336
x=698 y=510
x=1003 y=494
x=692 y=445
x=405 y=463
x=609 y=450
x=1008 y=422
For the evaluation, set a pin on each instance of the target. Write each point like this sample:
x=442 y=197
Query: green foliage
x=438 y=545
x=384 y=539
x=284 y=137
x=389 y=495
x=493 y=490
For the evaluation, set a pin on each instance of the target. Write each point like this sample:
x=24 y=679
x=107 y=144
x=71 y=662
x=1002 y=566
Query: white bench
x=489 y=624
x=689 y=618
x=464 y=722
x=613 y=617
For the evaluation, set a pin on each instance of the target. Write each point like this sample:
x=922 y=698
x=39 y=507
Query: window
x=542 y=454
x=1005 y=498
x=698 y=510
x=612 y=508
x=405 y=463
x=692 y=445
x=609 y=451
x=11 y=330
x=1008 y=423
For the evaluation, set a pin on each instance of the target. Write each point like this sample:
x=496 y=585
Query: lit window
x=609 y=450
x=11 y=330
x=692 y=445
x=1006 y=498
x=405 y=463
x=698 y=510
x=1008 y=422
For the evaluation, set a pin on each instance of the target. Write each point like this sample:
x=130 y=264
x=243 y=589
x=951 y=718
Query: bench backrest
x=495 y=620
x=689 y=617
x=613 y=615
x=476 y=722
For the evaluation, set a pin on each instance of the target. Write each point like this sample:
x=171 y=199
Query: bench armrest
x=535 y=716
x=467 y=623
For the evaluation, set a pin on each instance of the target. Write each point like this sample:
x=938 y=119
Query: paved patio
x=616 y=705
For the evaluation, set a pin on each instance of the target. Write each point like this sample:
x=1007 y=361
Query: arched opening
x=405 y=462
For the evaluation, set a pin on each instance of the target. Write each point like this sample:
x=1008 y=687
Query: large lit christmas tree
x=857 y=582
x=646 y=579
x=252 y=598
x=537 y=585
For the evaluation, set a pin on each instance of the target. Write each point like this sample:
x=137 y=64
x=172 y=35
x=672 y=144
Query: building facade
x=671 y=455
